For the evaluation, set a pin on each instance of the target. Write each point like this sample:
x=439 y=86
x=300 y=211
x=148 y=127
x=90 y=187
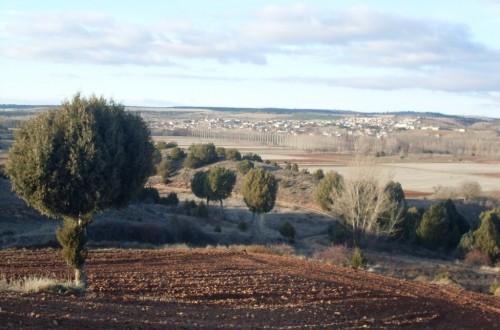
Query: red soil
x=131 y=289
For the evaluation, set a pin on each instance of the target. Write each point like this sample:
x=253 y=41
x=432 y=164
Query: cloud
x=99 y=39
x=425 y=53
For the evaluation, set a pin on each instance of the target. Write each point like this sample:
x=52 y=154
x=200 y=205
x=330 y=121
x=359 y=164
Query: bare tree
x=363 y=204
x=470 y=190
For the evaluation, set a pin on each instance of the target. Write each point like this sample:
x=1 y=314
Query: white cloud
x=428 y=54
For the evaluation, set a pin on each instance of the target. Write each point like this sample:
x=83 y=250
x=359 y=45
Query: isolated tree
x=363 y=204
x=219 y=183
x=85 y=157
x=331 y=181
x=259 y=191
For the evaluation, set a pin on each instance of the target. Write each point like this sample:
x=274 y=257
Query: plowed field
x=135 y=289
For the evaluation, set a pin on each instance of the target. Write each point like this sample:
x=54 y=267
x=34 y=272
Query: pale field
x=423 y=177
x=420 y=175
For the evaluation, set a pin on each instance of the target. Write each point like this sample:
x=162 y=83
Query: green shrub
x=201 y=210
x=244 y=166
x=148 y=195
x=3 y=174
x=487 y=236
x=221 y=152
x=252 y=157
x=177 y=153
x=287 y=230
x=494 y=287
x=318 y=174
x=171 y=199
x=233 y=154
x=200 y=155
x=165 y=170
x=338 y=232
x=358 y=260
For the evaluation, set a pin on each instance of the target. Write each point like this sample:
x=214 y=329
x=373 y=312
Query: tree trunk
x=81 y=275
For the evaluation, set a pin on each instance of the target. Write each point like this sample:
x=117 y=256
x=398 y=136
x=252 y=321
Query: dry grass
x=39 y=284
x=336 y=254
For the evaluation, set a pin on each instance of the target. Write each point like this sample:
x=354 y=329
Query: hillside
x=208 y=288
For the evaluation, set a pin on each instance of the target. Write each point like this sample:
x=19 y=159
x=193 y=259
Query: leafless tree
x=363 y=204
x=470 y=190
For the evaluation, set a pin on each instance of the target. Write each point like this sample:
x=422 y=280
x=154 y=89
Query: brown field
x=207 y=288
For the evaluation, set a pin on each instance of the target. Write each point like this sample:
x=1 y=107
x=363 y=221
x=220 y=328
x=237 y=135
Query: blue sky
x=441 y=56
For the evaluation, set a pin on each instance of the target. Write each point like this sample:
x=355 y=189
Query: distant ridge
x=269 y=110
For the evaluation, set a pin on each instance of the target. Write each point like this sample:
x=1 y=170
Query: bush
x=358 y=260
x=252 y=157
x=338 y=233
x=445 y=279
x=177 y=154
x=148 y=195
x=221 y=152
x=3 y=174
x=295 y=167
x=336 y=254
x=487 y=236
x=200 y=155
x=165 y=170
x=201 y=210
x=233 y=154
x=244 y=166
x=171 y=199
x=477 y=258
x=188 y=206
x=304 y=171
x=242 y=225
x=287 y=230
x=494 y=288
x=318 y=174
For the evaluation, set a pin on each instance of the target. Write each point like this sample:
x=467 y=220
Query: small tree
x=437 y=229
x=220 y=182
x=331 y=181
x=165 y=169
x=287 y=230
x=259 y=191
x=85 y=157
x=487 y=236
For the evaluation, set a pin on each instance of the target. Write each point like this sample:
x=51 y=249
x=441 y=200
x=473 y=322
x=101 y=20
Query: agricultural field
x=231 y=288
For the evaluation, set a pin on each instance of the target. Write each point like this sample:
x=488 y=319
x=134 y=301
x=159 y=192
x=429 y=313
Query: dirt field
x=132 y=289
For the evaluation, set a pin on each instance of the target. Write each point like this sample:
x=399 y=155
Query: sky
x=369 y=56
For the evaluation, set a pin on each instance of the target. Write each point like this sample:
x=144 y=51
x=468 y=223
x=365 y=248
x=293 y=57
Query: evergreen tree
x=219 y=182
x=487 y=236
x=332 y=180
x=85 y=157
x=259 y=191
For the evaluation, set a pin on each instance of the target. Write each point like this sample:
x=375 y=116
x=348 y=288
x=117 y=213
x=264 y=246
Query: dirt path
x=226 y=289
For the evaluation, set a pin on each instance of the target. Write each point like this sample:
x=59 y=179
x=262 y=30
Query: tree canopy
x=85 y=157
x=259 y=190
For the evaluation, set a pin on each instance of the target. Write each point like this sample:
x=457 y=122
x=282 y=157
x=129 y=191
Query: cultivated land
x=208 y=289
